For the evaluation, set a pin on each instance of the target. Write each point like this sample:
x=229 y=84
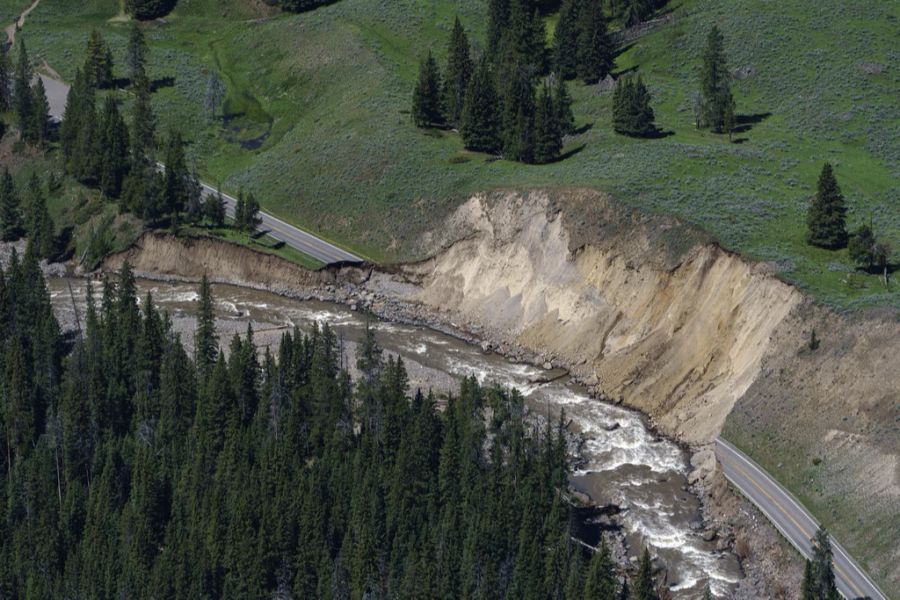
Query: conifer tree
x=458 y=73
x=632 y=114
x=562 y=102
x=827 y=216
x=595 y=48
x=518 y=116
x=143 y=121
x=39 y=128
x=822 y=567
x=644 y=585
x=252 y=219
x=23 y=101
x=426 y=104
x=808 y=589
x=480 y=126
x=177 y=185
x=114 y=147
x=38 y=224
x=600 y=581
x=565 y=39
x=214 y=209
x=6 y=83
x=136 y=53
x=10 y=218
x=206 y=341
x=547 y=129
x=98 y=62
x=715 y=85
x=498 y=20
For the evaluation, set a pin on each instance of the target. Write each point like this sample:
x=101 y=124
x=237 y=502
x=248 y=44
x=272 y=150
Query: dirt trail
x=19 y=23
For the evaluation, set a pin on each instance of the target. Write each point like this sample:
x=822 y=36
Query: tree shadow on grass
x=623 y=49
x=162 y=82
x=583 y=129
x=745 y=123
x=624 y=72
x=568 y=154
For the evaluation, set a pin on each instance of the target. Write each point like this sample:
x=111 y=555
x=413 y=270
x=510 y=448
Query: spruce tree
x=114 y=147
x=240 y=211
x=498 y=20
x=600 y=581
x=426 y=104
x=715 y=84
x=251 y=220
x=822 y=567
x=565 y=39
x=206 y=341
x=518 y=116
x=480 y=128
x=23 y=100
x=562 y=102
x=98 y=62
x=39 y=128
x=214 y=209
x=177 y=187
x=38 y=224
x=827 y=216
x=6 y=83
x=644 y=585
x=136 y=53
x=632 y=114
x=547 y=129
x=595 y=48
x=10 y=218
x=458 y=73
x=143 y=121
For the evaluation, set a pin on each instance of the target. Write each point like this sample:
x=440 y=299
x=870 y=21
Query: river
x=623 y=461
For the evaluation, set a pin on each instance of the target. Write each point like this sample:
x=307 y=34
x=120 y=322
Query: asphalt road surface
x=296 y=238
x=791 y=519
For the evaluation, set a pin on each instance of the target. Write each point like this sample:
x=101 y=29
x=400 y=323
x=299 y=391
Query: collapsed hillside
x=652 y=314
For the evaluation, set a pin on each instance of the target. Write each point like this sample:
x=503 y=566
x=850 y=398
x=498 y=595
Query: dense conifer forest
x=133 y=469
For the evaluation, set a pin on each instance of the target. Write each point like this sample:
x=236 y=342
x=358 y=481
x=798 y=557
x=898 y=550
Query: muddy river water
x=623 y=463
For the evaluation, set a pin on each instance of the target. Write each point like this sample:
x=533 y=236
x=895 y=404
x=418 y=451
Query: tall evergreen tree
x=6 y=83
x=136 y=53
x=458 y=73
x=214 y=209
x=38 y=224
x=645 y=585
x=23 y=100
x=565 y=39
x=547 y=129
x=98 y=62
x=114 y=146
x=10 y=217
x=632 y=114
x=600 y=581
x=827 y=216
x=518 y=116
x=178 y=187
x=426 y=105
x=498 y=20
x=715 y=84
x=143 y=121
x=823 y=568
x=562 y=102
x=480 y=128
x=595 y=48
x=206 y=341
x=39 y=127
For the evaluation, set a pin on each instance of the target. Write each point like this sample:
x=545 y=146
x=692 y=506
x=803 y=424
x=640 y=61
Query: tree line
x=133 y=467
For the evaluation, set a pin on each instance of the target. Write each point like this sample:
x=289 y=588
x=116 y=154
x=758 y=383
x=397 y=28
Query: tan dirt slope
x=653 y=313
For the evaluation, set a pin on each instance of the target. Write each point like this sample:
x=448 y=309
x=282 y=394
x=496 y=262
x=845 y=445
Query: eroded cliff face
x=681 y=339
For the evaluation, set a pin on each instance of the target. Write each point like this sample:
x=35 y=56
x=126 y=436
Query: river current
x=623 y=461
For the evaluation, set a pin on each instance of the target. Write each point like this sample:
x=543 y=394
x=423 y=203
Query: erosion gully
x=622 y=462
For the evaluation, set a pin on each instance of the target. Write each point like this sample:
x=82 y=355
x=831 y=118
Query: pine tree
x=206 y=341
x=644 y=586
x=251 y=219
x=114 y=160
x=632 y=114
x=6 y=83
x=458 y=73
x=565 y=39
x=177 y=185
x=98 y=62
x=214 y=209
x=562 y=102
x=10 y=218
x=136 y=53
x=547 y=129
x=39 y=128
x=822 y=567
x=426 y=105
x=480 y=128
x=715 y=84
x=595 y=48
x=23 y=100
x=827 y=216
x=600 y=581
x=143 y=122
x=38 y=224
x=518 y=116
x=498 y=20
x=240 y=211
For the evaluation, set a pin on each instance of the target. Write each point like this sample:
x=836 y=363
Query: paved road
x=791 y=519
x=296 y=238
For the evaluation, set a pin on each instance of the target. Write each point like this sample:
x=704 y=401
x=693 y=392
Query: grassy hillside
x=319 y=125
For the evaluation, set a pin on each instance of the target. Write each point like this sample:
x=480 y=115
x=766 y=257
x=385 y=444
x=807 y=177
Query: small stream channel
x=623 y=463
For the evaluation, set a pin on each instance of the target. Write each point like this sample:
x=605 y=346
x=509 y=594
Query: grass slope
x=319 y=127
